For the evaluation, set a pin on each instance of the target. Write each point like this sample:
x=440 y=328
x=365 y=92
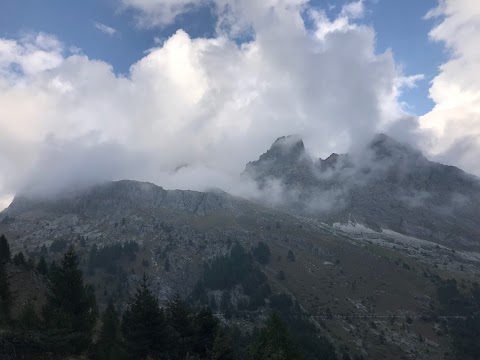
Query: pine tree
x=274 y=342
x=205 y=329
x=109 y=345
x=43 y=250
x=70 y=311
x=28 y=317
x=226 y=305
x=5 y=296
x=222 y=346
x=31 y=263
x=42 y=266
x=53 y=268
x=143 y=325
x=178 y=318
x=19 y=259
x=4 y=250
x=291 y=256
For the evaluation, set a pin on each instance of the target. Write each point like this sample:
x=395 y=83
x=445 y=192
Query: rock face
x=115 y=212
x=286 y=160
x=386 y=185
x=129 y=194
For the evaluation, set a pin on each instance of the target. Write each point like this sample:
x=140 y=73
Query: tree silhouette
x=4 y=250
x=143 y=325
x=222 y=346
x=178 y=318
x=109 y=345
x=205 y=328
x=42 y=266
x=5 y=295
x=274 y=342
x=19 y=259
x=70 y=311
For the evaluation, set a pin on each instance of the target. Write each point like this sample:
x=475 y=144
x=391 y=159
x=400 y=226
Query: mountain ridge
x=347 y=270
x=388 y=185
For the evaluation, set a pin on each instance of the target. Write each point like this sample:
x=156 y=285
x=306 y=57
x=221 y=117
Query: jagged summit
x=286 y=159
x=387 y=185
x=285 y=148
x=384 y=147
x=334 y=162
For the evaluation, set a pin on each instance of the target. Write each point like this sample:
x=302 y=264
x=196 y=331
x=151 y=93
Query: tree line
x=68 y=324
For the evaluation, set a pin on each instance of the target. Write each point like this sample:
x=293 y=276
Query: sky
x=183 y=93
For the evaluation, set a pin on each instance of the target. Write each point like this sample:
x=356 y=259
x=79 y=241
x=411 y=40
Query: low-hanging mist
x=193 y=111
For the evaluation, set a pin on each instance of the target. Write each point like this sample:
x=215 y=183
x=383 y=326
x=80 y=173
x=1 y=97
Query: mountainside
x=361 y=244
x=387 y=185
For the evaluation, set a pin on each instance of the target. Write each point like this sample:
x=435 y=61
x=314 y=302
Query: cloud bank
x=455 y=119
x=193 y=112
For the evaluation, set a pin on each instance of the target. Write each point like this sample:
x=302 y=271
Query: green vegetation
x=71 y=306
x=66 y=324
x=19 y=259
x=304 y=333
x=58 y=246
x=109 y=345
x=4 y=250
x=144 y=326
x=237 y=268
x=5 y=296
x=274 y=342
x=42 y=266
x=107 y=257
x=261 y=253
x=291 y=256
x=463 y=313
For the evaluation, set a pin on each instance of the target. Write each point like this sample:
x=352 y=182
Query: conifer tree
x=178 y=318
x=109 y=345
x=222 y=346
x=28 y=317
x=5 y=296
x=42 y=266
x=30 y=263
x=19 y=259
x=4 y=250
x=143 y=325
x=274 y=342
x=70 y=311
x=53 y=268
x=205 y=328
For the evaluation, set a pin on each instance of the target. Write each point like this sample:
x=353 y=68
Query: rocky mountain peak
x=286 y=158
x=334 y=161
x=284 y=148
x=384 y=147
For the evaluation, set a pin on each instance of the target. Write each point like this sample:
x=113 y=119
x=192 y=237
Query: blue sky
x=399 y=25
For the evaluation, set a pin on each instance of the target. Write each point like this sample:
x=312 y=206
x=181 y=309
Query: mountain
x=359 y=246
x=386 y=185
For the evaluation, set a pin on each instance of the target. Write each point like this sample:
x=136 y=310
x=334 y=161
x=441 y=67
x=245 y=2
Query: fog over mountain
x=278 y=179
x=193 y=111
x=386 y=185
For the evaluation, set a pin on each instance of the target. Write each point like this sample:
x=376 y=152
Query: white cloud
x=5 y=201
x=208 y=103
x=455 y=119
x=160 y=12
x=354 y=9
x=105 y=29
